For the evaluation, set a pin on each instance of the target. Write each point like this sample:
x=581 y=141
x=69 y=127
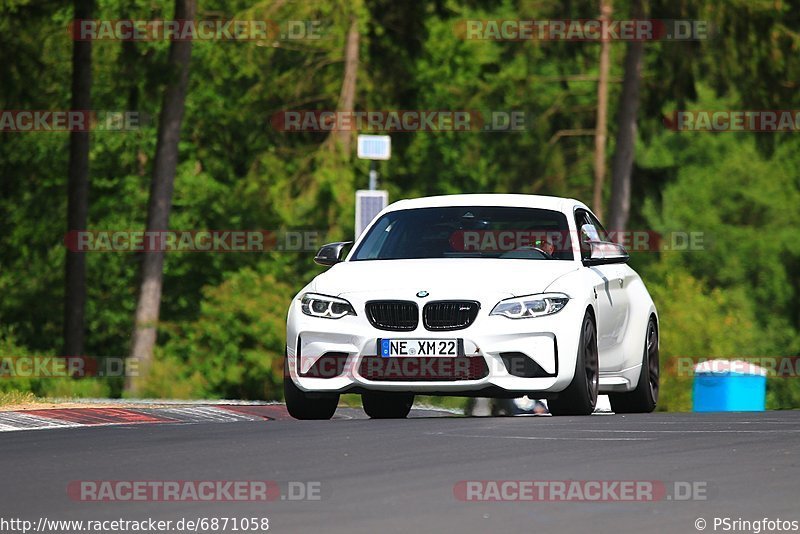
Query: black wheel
x=643 y=399
x=580 y=397
x=301 y=405
x=387 y=405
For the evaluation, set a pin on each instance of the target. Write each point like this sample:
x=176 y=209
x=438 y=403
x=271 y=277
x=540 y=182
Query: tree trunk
x=78 y=192
x=622 y=165
x=161 y=186
x=347 y=96
x=601 y=127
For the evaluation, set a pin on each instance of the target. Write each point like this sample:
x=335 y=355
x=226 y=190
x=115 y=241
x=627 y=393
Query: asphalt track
x=399 y=475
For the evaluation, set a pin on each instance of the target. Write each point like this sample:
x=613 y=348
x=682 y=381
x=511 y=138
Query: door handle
x=620 y=281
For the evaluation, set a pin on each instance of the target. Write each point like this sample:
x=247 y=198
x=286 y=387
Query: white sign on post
x=370 y=202
x=374 y=147
x=368 y=205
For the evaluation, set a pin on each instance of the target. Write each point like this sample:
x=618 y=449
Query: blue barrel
x=723 y=386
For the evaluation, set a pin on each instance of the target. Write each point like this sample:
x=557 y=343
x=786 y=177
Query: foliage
x=234 y=349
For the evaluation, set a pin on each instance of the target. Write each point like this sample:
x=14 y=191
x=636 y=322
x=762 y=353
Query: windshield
x=468 y=232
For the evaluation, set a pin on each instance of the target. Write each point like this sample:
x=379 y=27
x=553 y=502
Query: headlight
x=323 y=306
x=531 y=306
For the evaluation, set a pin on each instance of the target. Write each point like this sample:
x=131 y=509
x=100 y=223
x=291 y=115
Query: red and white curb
x=185 y=414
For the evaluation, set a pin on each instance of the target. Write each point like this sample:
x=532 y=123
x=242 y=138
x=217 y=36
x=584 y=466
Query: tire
x=302 y=406
x=580 y=397
x=385 y=405
x=644 y=398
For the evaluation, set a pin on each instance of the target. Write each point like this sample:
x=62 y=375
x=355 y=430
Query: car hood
x=442 y=276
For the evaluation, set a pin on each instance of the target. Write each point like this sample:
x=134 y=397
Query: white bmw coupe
x=474 y=295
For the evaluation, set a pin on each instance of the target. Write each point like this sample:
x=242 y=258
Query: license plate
x=390 y=348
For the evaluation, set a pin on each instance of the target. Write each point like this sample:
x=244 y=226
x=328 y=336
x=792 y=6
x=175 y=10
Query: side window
x=372 y=245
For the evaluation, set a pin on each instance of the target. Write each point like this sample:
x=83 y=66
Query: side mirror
x=331 y=254
x=606 y=252
x=589 y=233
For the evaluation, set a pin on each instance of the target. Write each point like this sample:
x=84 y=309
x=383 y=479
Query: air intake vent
x=329 y=365
x=423 y=369
x=518 y=364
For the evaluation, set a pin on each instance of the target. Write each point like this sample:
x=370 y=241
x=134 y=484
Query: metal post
x=373 y=176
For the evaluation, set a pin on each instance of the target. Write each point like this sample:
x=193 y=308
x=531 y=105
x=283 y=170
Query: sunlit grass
x=9 y=398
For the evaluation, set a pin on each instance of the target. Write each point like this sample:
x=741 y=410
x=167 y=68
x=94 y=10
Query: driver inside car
x=545 y=246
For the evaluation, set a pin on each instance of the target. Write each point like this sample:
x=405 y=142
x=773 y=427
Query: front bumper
x=551 y=342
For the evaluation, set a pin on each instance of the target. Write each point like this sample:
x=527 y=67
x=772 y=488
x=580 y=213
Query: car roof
x=489 y=199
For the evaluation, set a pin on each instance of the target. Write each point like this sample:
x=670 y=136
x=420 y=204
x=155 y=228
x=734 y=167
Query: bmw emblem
x=422 y=294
